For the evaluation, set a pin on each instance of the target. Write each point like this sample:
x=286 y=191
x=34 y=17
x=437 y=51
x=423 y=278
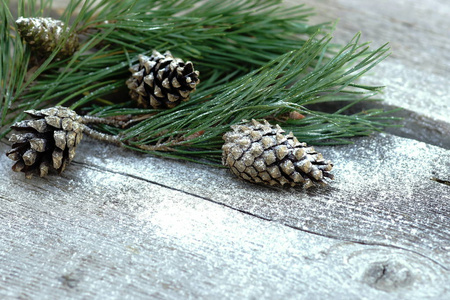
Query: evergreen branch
x=257 y=59
x=279 y=87
x=213 y=37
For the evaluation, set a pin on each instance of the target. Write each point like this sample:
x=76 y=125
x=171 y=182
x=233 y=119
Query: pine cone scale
x=57 y=158
x=44 y=168
x=34 y=113
x=71 y=139
x=18 y=166
x=21 y=138
x=172 y=98
x=175 y=83
x=60 y=139
x=39 y=125
x=38 y=144
x=29 y=157
x=14 y=154
x=71 y=153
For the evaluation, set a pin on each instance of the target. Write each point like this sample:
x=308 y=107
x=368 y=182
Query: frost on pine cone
x=260 y=153
x=44 y=34
x=46 y=142
x=162 y=81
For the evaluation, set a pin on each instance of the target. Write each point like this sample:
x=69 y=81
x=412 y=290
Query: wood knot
x=69 y=280
x=388 y=276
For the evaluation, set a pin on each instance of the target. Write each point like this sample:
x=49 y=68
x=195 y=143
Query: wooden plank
x=414 y=29
x=416 y=73
x=93 y=233
x=382 y=194
x=119 y=224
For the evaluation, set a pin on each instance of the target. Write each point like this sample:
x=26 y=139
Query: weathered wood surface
x=417 y=73
x=123 y=225
x=117 y=224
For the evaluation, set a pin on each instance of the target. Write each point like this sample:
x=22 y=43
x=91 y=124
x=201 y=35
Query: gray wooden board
x=122 y=224
x=416 y=75
x=383 y=193
x=119 y=224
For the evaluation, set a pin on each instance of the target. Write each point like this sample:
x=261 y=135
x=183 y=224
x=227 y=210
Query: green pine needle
x=257 y=59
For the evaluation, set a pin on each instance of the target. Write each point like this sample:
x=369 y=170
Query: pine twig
x=114 y=139
x=120 y=122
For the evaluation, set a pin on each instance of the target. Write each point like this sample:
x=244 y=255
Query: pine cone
x=260 y=153
x=48 y=141
x=44 y=34
x=162 y=81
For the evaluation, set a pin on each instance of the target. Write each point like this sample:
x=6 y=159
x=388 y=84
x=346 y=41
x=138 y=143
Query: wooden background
x=123 y=225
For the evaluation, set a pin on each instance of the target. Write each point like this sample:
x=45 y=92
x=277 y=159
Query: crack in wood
x=360 y=242
x=442 y=181
x=92 y=167
x=383 y=273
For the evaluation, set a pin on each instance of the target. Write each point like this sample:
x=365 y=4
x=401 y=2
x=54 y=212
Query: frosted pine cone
x=44 y=34
x=260 y=153
x=162 y=81
x=48 y=141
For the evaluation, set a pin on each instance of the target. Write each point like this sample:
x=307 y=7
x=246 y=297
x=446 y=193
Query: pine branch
x=279 y=87
x=257 y=59
x=213 y=36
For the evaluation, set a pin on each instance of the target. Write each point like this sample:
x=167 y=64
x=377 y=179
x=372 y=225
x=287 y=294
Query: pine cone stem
x=114 y=139
x=164 y=147
x=121 y=121
x=106 y=121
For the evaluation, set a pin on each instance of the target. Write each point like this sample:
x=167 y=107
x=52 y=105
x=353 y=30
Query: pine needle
x=257 y=59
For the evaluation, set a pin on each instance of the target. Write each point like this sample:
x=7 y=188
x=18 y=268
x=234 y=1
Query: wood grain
x=414 y=29
x=382 y=195
x=94 y=233
x=123 y=225
x=417 y=72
